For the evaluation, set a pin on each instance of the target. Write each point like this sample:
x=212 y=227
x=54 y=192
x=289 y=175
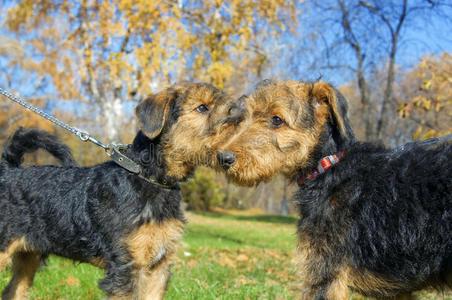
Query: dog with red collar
x=373 y=220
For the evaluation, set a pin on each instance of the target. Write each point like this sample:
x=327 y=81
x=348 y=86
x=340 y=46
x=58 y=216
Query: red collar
x=324 y=164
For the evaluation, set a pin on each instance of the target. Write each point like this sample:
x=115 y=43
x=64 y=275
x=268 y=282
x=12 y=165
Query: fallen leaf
x=71 y=281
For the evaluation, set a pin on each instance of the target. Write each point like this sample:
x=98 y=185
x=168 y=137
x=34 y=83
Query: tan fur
x=366 y=281
x=310 y=259
x=5 y=257
x=187 y=143
x=152 y=241
x=347 y=278
x=152 y=283
x=363 y=281
x=262 y=150
x=125 y=297
x=25 y=265
x=98 y=262
x=338 y=290
x=152 y=247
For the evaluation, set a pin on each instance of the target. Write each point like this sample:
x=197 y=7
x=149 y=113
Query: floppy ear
x=152 y=112
x=324 y=93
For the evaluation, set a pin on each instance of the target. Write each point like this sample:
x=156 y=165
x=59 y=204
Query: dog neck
x=331 y=147
x=148 y=155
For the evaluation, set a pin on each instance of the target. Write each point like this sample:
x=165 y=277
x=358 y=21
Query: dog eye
x=277 y=121
x=202 y=109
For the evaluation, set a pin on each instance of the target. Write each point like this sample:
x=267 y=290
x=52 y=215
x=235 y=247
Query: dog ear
x=324 y=93
x=152 y=112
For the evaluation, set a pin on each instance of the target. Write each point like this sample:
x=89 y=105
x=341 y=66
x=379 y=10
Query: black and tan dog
x=375 y=220
x=104 y=214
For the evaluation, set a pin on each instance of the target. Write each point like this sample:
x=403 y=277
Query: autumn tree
x=358 y=40
x=428 y=96
x=100 y=52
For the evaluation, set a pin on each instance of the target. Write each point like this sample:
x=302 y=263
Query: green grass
x=63 y=279
x=222 y=256
x=231 y=258
x=246 y=217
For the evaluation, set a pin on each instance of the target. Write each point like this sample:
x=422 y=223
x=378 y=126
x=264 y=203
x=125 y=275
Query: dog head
x=284 y=124
x=185 y=120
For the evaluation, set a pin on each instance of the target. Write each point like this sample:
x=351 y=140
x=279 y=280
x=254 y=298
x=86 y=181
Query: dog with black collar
x=128 y=224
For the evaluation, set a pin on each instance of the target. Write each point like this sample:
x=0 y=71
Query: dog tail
x=29 y=140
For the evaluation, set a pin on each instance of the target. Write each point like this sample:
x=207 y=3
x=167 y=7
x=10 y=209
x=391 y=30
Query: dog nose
x=226 y=159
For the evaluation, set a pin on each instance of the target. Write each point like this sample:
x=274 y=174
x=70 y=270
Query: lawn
x=228 y=255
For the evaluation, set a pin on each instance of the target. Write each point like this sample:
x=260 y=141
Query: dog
x=128 y=224
x=374 y=220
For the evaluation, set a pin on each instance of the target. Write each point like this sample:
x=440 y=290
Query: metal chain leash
x=82 y=135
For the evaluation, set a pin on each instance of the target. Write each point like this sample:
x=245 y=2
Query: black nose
x=226 y=159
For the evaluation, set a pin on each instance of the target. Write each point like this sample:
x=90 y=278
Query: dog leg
x=118 y=283
x=5 y=260
x=25 y=265
x=333 y=291
x=337 y=290
x=152 y=282
x=5 y=257
x=147 y=283
x=152 y=247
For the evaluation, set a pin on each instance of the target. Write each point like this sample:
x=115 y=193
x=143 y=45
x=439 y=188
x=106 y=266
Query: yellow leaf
x=417 y=133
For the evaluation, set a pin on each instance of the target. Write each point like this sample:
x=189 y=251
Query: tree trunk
x=387 y=98
x=112 y=113
x=284 y=205
x=365 y=101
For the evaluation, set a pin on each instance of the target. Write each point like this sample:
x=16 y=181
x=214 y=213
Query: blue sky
x=422 y=34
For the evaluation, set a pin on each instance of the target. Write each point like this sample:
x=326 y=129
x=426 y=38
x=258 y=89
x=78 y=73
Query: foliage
x=202 y=192
x=12 y=116
x=102 y=52
x=430 y=97
x=131 y=44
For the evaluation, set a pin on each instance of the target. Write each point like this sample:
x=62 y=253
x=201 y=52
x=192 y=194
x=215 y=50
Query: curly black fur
x=82 y=213
x=104 y=214
x=380 y=212
x=391 y=215
x=29 y=140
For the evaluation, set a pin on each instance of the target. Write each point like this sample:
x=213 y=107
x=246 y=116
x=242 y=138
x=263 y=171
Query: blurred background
x=90 y=62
